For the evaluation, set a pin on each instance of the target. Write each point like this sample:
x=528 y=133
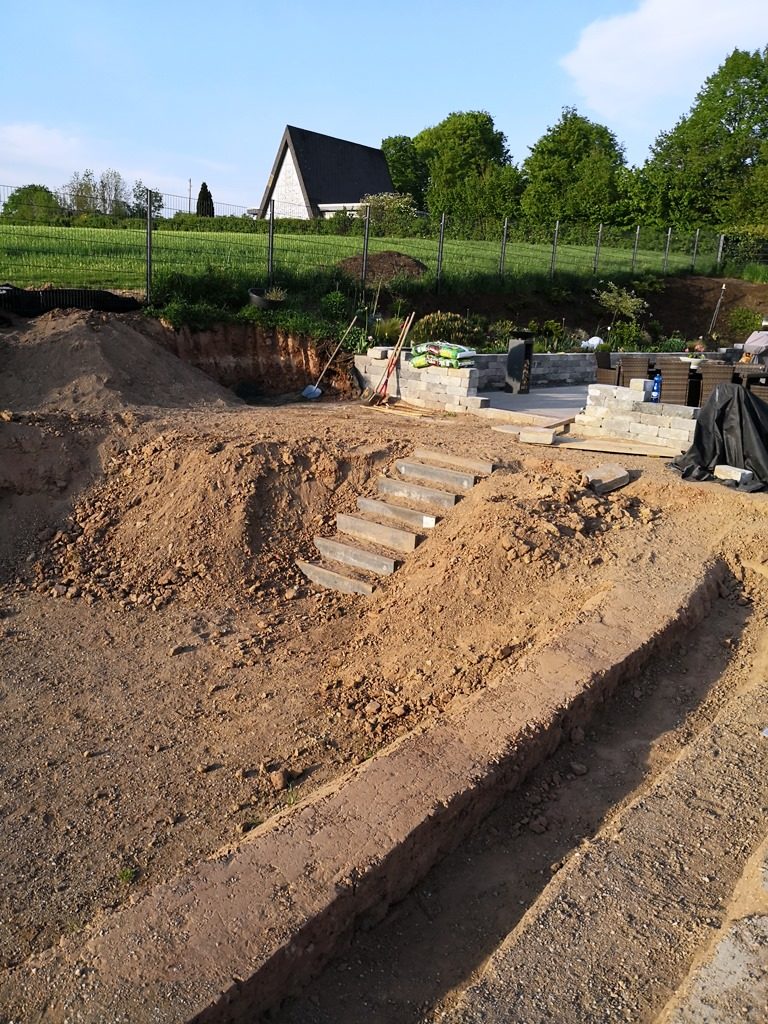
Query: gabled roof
x=330 y=170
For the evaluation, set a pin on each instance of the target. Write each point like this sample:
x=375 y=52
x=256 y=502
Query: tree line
x=710 y=169
x=86 y=198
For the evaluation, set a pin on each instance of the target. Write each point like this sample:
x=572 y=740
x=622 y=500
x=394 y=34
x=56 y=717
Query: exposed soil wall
x=247 y=356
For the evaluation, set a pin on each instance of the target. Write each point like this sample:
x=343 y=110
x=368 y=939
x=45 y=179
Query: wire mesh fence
x=53 y=238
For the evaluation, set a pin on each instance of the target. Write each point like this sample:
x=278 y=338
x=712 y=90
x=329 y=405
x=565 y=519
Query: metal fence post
x=553 y=260
x=598 y=243
x=720 y=247
x=695 y=249
x=440 y=252
x=634 y=250
x=666 y=251
x=503 y=256
x=271 y=244
x=149 y=247
x=366 y=234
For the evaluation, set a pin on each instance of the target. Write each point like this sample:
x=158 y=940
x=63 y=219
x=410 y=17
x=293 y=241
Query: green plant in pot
x=267 y=298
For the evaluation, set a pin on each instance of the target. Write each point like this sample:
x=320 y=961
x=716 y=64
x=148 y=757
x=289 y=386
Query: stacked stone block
x=433 y=387
x=629 y=413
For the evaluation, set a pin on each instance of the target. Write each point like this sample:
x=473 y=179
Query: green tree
x=204 y=202
x=112 y=194
x=463 y=145
x=139 y=204
x=573 y=172
x=32 y=204
x=407 y=167
x=392 y=213
x=83 y=192
x=698 y=169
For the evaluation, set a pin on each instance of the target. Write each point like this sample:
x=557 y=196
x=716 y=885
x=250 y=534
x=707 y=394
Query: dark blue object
x=656 y=389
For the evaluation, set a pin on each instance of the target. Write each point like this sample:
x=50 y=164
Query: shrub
x=742 y=321
x=442 y=327
x=334 y=305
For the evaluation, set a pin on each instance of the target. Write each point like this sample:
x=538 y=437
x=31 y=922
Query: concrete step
x=332 y=579
x=479 y=467
x=409 y=516
x=411 y=470
x=377 y=533
x=417 y=492
x=348 y=554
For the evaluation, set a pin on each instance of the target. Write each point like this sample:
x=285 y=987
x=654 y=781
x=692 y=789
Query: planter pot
x=256 y=297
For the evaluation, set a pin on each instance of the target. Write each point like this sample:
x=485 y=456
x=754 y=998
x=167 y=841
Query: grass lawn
x=107 y=258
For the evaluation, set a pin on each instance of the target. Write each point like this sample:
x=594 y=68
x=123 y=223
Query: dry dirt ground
x=167 y=677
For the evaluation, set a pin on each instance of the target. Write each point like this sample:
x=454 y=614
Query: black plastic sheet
x=31 y=302
x=732 y=430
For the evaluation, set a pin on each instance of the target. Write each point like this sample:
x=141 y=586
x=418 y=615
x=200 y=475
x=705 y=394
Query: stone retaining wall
x=437 y=387
x=629 y=413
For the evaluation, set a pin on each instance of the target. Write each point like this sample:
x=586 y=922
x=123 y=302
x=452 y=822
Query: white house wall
x=287 y=194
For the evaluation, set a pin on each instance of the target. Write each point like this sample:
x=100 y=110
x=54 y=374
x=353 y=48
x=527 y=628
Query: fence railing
x=129 y=248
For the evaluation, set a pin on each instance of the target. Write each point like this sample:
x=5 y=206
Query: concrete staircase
x=374 y=542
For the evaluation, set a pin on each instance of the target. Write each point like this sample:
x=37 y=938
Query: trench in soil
x=411 y=966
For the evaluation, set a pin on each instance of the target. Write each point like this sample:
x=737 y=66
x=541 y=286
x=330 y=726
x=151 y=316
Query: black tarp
x=31 y=302
x=732 y=430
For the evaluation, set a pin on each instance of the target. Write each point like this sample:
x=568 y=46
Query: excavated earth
x=169 y=680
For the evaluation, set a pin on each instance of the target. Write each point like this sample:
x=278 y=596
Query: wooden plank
x=618 y=446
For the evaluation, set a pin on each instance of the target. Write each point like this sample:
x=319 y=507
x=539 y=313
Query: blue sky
x=168 y=91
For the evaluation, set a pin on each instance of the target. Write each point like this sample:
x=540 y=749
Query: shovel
x=378 y=395
x=312 y=390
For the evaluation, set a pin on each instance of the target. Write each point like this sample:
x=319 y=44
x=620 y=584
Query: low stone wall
x=438 y=387
x=629 y=413
x=433 y=387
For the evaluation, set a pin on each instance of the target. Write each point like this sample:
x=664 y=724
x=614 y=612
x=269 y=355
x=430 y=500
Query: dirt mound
x=182 y=517
x=687 y=304
x=96 y=362
x=383 y=266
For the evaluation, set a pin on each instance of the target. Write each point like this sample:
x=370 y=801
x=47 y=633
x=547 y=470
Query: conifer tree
x=204 y=202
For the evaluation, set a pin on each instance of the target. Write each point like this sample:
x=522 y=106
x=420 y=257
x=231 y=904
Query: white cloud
x=659 y=54
x=36 y=153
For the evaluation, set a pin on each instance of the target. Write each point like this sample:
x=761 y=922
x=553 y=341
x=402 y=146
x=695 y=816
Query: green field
x=106 y=258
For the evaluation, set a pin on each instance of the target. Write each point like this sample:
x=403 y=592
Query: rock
x=58 y=590
x=279 y=779
x=177 y=649
x=290 y=594
x=372 y=708
x=607 y=477
x=578 y=768
x=539 y=824
x=577 y=734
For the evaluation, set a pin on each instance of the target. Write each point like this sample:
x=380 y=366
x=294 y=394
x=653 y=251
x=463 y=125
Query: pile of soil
x=96 y=362
x=383 y=266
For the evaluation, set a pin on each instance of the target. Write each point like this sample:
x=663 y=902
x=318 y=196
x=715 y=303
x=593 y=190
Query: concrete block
x=607 y=477
x=686 y=412
x=601 y=391
x=643 y=430
x=741 y=476
x=379 y=352
x=670 y=434
x=475 y=402
x=638 y=384
x=536 y=435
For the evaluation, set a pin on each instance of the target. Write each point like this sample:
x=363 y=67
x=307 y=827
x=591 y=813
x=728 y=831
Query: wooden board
x=618 y=446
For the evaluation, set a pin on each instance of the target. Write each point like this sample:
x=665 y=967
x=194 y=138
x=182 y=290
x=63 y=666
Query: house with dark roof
x=316 y=175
